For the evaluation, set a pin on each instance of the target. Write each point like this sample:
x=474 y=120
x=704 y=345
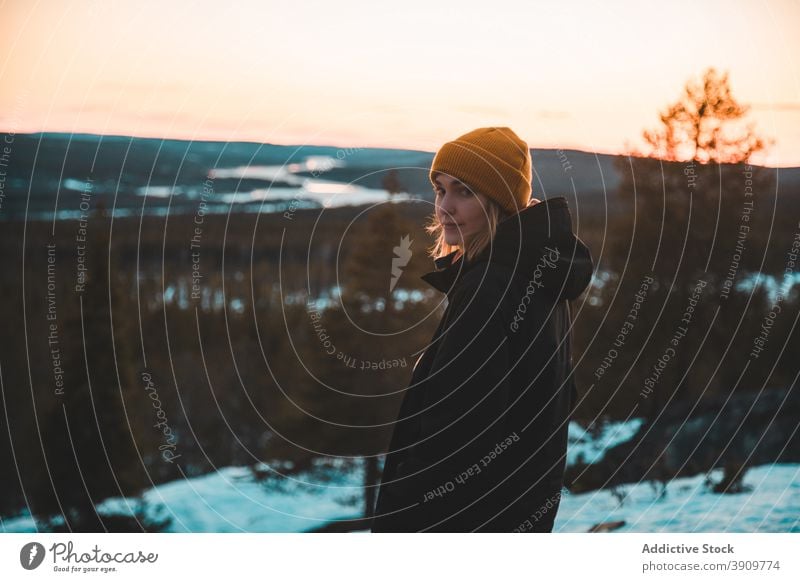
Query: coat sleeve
x=465 y=394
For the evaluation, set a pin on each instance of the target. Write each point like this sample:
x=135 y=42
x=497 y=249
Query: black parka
x=481 y=437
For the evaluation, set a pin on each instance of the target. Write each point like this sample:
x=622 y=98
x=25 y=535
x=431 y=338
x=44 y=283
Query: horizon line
x=332 y=145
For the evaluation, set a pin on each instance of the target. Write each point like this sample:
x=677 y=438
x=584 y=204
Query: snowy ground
x=230 y=501
x=773 y=505
x=587 y=449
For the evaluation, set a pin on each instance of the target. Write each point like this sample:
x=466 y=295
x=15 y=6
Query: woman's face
x=459 y=210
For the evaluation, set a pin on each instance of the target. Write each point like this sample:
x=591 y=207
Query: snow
x=229 y=500
x=773 y=505
x=582 y=446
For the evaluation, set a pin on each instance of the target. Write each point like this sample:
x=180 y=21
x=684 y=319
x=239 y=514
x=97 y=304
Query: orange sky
x=412 y=74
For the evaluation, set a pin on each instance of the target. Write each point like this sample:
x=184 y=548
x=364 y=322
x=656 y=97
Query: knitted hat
x=491 y=160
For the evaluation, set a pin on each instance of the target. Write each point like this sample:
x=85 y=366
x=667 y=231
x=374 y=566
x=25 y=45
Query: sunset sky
x=412 y=74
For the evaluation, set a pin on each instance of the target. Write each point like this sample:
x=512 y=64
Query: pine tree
x=705 y=125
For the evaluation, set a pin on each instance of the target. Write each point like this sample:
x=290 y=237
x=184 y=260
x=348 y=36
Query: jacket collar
x=446 y=273
x=521 y=246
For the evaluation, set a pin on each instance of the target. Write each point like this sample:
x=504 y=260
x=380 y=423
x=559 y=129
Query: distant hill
x=56 y=167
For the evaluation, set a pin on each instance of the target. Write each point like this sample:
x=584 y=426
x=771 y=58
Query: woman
x=481 y=437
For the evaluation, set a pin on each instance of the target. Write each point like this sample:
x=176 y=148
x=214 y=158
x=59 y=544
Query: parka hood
x=536 y=245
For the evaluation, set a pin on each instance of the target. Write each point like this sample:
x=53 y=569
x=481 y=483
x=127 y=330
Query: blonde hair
x=475 y=244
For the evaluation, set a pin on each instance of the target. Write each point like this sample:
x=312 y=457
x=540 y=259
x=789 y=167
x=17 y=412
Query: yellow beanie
x=491 y=160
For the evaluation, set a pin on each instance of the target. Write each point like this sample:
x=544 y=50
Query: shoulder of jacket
x=488 y=281
x=483 y=288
